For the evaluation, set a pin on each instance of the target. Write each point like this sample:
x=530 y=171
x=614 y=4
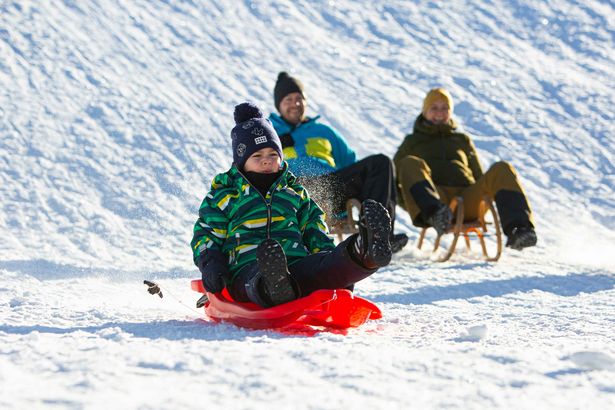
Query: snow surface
x=115 y=115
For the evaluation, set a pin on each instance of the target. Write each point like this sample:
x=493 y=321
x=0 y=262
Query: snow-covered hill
x=114 y=117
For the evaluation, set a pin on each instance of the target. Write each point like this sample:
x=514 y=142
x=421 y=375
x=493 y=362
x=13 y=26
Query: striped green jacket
x=234 y=218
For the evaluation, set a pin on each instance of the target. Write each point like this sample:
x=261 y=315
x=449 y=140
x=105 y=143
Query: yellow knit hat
x=434 y=95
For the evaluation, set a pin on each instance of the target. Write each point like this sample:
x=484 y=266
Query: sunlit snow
x=115 y=115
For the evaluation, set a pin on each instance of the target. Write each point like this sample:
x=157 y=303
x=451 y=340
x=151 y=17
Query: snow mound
x=593 y=360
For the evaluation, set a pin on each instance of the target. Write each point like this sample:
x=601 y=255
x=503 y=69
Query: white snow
x=593 y=360
x=115 y=115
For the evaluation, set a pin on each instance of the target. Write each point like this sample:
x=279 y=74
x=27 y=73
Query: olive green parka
x=450 y=154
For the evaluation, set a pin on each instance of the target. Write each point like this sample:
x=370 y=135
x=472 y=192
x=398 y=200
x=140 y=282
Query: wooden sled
x=334 y=309
x=348 y=225
x=478 y=227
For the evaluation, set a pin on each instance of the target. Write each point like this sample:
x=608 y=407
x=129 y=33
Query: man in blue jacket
x=321 y=157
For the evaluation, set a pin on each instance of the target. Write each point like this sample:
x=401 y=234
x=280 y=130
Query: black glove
x=287 y=140
x=213 y=271
x=153 y=288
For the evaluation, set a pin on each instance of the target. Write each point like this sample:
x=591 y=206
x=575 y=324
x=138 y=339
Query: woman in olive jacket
x=437 y=162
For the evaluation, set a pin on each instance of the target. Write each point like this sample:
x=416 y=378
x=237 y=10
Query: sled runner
x=491 y=243
x=337 y=309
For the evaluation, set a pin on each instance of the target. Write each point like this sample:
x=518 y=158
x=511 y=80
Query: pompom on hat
x=434 y=95
x=286 y=85
x=251 y=133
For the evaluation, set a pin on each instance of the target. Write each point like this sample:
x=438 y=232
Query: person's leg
x=420 y=195
x=267 y=282
x=334 y=269
x=501 y=183
x=373 y=178
x=370 y=178
x=353 y=259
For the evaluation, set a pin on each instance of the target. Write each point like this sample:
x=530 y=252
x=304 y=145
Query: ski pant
x=500 y=183
x=370 y=178
x=335 y=269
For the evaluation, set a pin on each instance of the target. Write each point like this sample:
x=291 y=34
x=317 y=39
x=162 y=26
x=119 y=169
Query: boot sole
x=276 y=280
x=378 y=224
x=525 y=242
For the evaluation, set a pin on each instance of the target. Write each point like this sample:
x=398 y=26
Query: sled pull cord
x=153 y=288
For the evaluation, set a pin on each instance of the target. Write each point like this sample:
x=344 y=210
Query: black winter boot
x=521 y=237
x=273 y=284
x=398 y=241
x=371 y=247
x=441 y=219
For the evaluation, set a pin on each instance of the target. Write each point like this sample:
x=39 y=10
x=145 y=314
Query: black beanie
x=251 y=133
x=284 y=86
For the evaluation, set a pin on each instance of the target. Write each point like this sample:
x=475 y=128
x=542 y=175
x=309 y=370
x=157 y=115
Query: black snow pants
x=334 y=269
x=370 y=178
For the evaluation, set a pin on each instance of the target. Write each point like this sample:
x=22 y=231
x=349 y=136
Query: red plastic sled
x=338 y=309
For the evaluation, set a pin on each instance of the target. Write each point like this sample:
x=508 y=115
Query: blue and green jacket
x=318 y=148
x=234 y=218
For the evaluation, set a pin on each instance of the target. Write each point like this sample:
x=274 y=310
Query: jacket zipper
x=268 y=204
x=269 y=218
x=443 y=150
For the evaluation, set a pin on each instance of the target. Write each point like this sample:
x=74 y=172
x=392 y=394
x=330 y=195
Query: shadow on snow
x=562 y=285
x=198 y=329
x=42 y=269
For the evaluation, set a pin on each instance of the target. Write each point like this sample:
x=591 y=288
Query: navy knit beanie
x=284 y=86
x=252 y=133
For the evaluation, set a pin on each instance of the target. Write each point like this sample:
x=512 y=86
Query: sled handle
x=202 y=301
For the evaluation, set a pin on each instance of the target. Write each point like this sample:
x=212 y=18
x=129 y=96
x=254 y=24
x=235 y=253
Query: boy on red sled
x=261 y=236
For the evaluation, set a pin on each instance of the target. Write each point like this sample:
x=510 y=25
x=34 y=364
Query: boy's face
x=292 y=108
x=439 y=112
x=263 y=161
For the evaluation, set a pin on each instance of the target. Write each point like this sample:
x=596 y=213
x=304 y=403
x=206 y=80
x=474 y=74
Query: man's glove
x=287 y=140
x=213 y=271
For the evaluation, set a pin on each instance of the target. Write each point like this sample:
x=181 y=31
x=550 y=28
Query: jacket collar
x=422 y=125
x=282 y=126
x=238 y=180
